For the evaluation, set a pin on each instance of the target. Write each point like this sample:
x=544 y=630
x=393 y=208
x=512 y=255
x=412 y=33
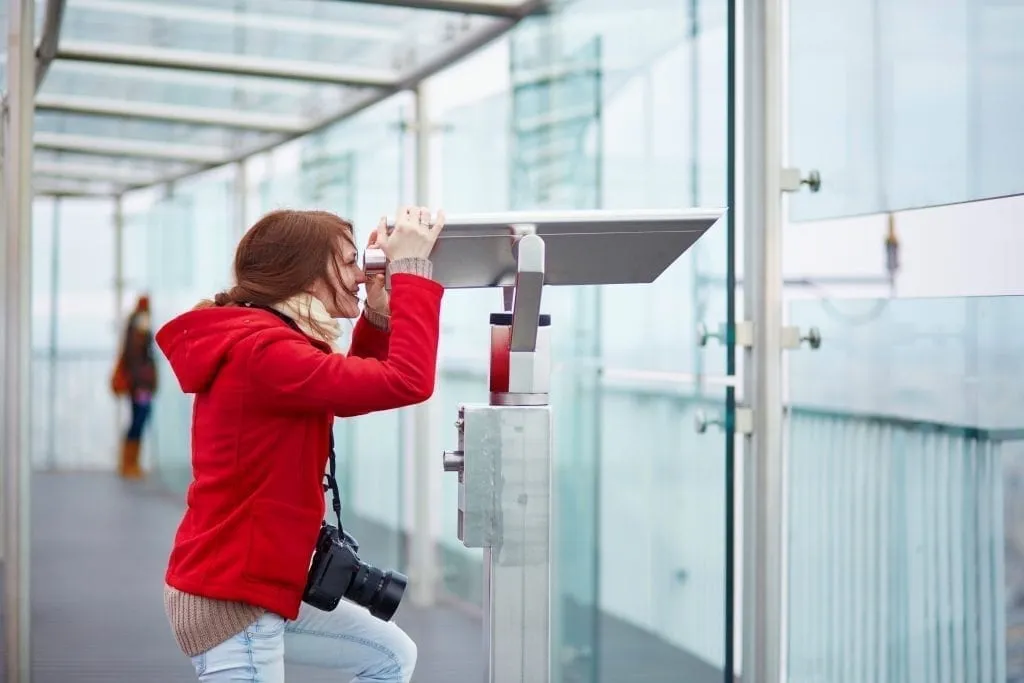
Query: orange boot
x=130 y=468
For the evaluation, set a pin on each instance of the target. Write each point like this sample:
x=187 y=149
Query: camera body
x=337 y=572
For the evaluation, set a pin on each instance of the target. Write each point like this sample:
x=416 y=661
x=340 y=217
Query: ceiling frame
x=375 y=86
x=480 y=7
x=119 y=147
x=169 y=113
x=225 y=63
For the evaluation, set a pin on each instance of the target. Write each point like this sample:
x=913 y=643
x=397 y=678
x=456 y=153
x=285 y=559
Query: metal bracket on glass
x=743 y=338
x=791 y=181
x=792 y=338
x=743 y=421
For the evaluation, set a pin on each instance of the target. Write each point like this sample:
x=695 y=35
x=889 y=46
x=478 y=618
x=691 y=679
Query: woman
x=135 y=377
x=263 y=362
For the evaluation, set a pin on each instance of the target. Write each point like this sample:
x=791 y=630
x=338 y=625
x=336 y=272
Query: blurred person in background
x=135 y=379
x=264 y=363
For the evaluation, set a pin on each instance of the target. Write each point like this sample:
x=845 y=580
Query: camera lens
x=378 y=591
x=387 y=598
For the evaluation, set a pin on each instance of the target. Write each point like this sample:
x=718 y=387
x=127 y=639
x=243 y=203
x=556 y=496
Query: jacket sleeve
x=289 y=373
x=369 y=340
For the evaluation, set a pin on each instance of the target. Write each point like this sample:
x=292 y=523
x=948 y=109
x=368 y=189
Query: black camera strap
x=331 y=476
x=331 y=484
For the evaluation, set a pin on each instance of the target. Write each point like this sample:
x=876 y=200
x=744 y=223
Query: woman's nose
x=360 y=276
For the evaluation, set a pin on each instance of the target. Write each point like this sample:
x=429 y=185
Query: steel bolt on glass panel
x=504 y=456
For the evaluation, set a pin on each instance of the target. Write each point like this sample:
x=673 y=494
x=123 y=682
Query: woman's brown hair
x=283 y=254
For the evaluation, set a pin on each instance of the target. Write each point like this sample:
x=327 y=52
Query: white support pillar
x=425 y=479
x=241 y=199
x=761 y=215
x=118 y=264
x=15 y=319
x=119 y=282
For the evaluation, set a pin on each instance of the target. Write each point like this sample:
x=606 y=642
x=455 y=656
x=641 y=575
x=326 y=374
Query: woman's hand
x=414 y=234
x=376 y=295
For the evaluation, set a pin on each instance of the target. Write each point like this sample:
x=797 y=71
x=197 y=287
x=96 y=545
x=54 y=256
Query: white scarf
x=302 y=308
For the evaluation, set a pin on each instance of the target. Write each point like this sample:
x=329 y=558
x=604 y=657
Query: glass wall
x=906 y=436
x=905 y=103
x=75 y=335
x=635 y=120
x=903 y=428
x=640 y=495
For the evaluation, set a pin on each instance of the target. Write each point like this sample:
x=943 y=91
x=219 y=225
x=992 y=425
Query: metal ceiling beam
x=46 y=50
x=169 y=113
x=63 y=187
x=119 y=175
x=127 y=77
x=118 y=147
x=313 y=26
x=481 y=7
x=223 y=62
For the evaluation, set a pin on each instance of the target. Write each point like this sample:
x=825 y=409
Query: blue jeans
x=140 y=415
x=361 y=647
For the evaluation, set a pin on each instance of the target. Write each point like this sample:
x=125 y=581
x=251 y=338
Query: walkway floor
x=98 y=551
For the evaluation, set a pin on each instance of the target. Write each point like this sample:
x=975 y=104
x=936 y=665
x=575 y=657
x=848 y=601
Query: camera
x=337 y=572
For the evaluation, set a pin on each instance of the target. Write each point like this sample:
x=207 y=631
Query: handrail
x=613 y=382
x=968 y=432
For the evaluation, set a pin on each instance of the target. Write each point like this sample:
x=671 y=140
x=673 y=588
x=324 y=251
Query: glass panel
x=352 y=168
x=904 y=104
x=345 y=33
x=74 y=339
x=640 y=495
x=906 y=445
x=178 y=250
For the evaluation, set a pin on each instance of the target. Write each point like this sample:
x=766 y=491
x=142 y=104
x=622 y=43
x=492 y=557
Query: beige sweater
x=200 y=623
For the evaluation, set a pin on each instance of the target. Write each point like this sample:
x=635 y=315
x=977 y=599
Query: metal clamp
x=790 y=180
x=743 y=421
x=743 y=337
x=792 y=338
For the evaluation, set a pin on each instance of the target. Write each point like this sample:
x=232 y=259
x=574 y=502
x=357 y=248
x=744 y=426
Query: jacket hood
x=196 y=343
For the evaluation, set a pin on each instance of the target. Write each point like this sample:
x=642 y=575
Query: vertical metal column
x=241 y=197
x=423 y=561
x=504 y=463
x=119 y=410
x=761 y=211
x=51 y=398
x=15 y=319
x=118 y=264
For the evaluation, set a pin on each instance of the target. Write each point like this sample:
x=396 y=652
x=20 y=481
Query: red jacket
x=266 y=397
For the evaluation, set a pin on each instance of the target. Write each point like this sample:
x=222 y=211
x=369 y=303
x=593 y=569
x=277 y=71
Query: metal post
x=119 y=411
x=423 y=561
x=762 y=288
x=504 y=464
x=118 y=264
x=16 y=323
x=241 y=192
x=51 y=402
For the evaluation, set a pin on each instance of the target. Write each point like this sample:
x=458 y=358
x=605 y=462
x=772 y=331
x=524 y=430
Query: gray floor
x=99 y=548
x=98 y=555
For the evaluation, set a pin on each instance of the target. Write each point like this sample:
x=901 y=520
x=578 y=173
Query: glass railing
x=905 y=490
x=896 y=549
x=76 y=422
